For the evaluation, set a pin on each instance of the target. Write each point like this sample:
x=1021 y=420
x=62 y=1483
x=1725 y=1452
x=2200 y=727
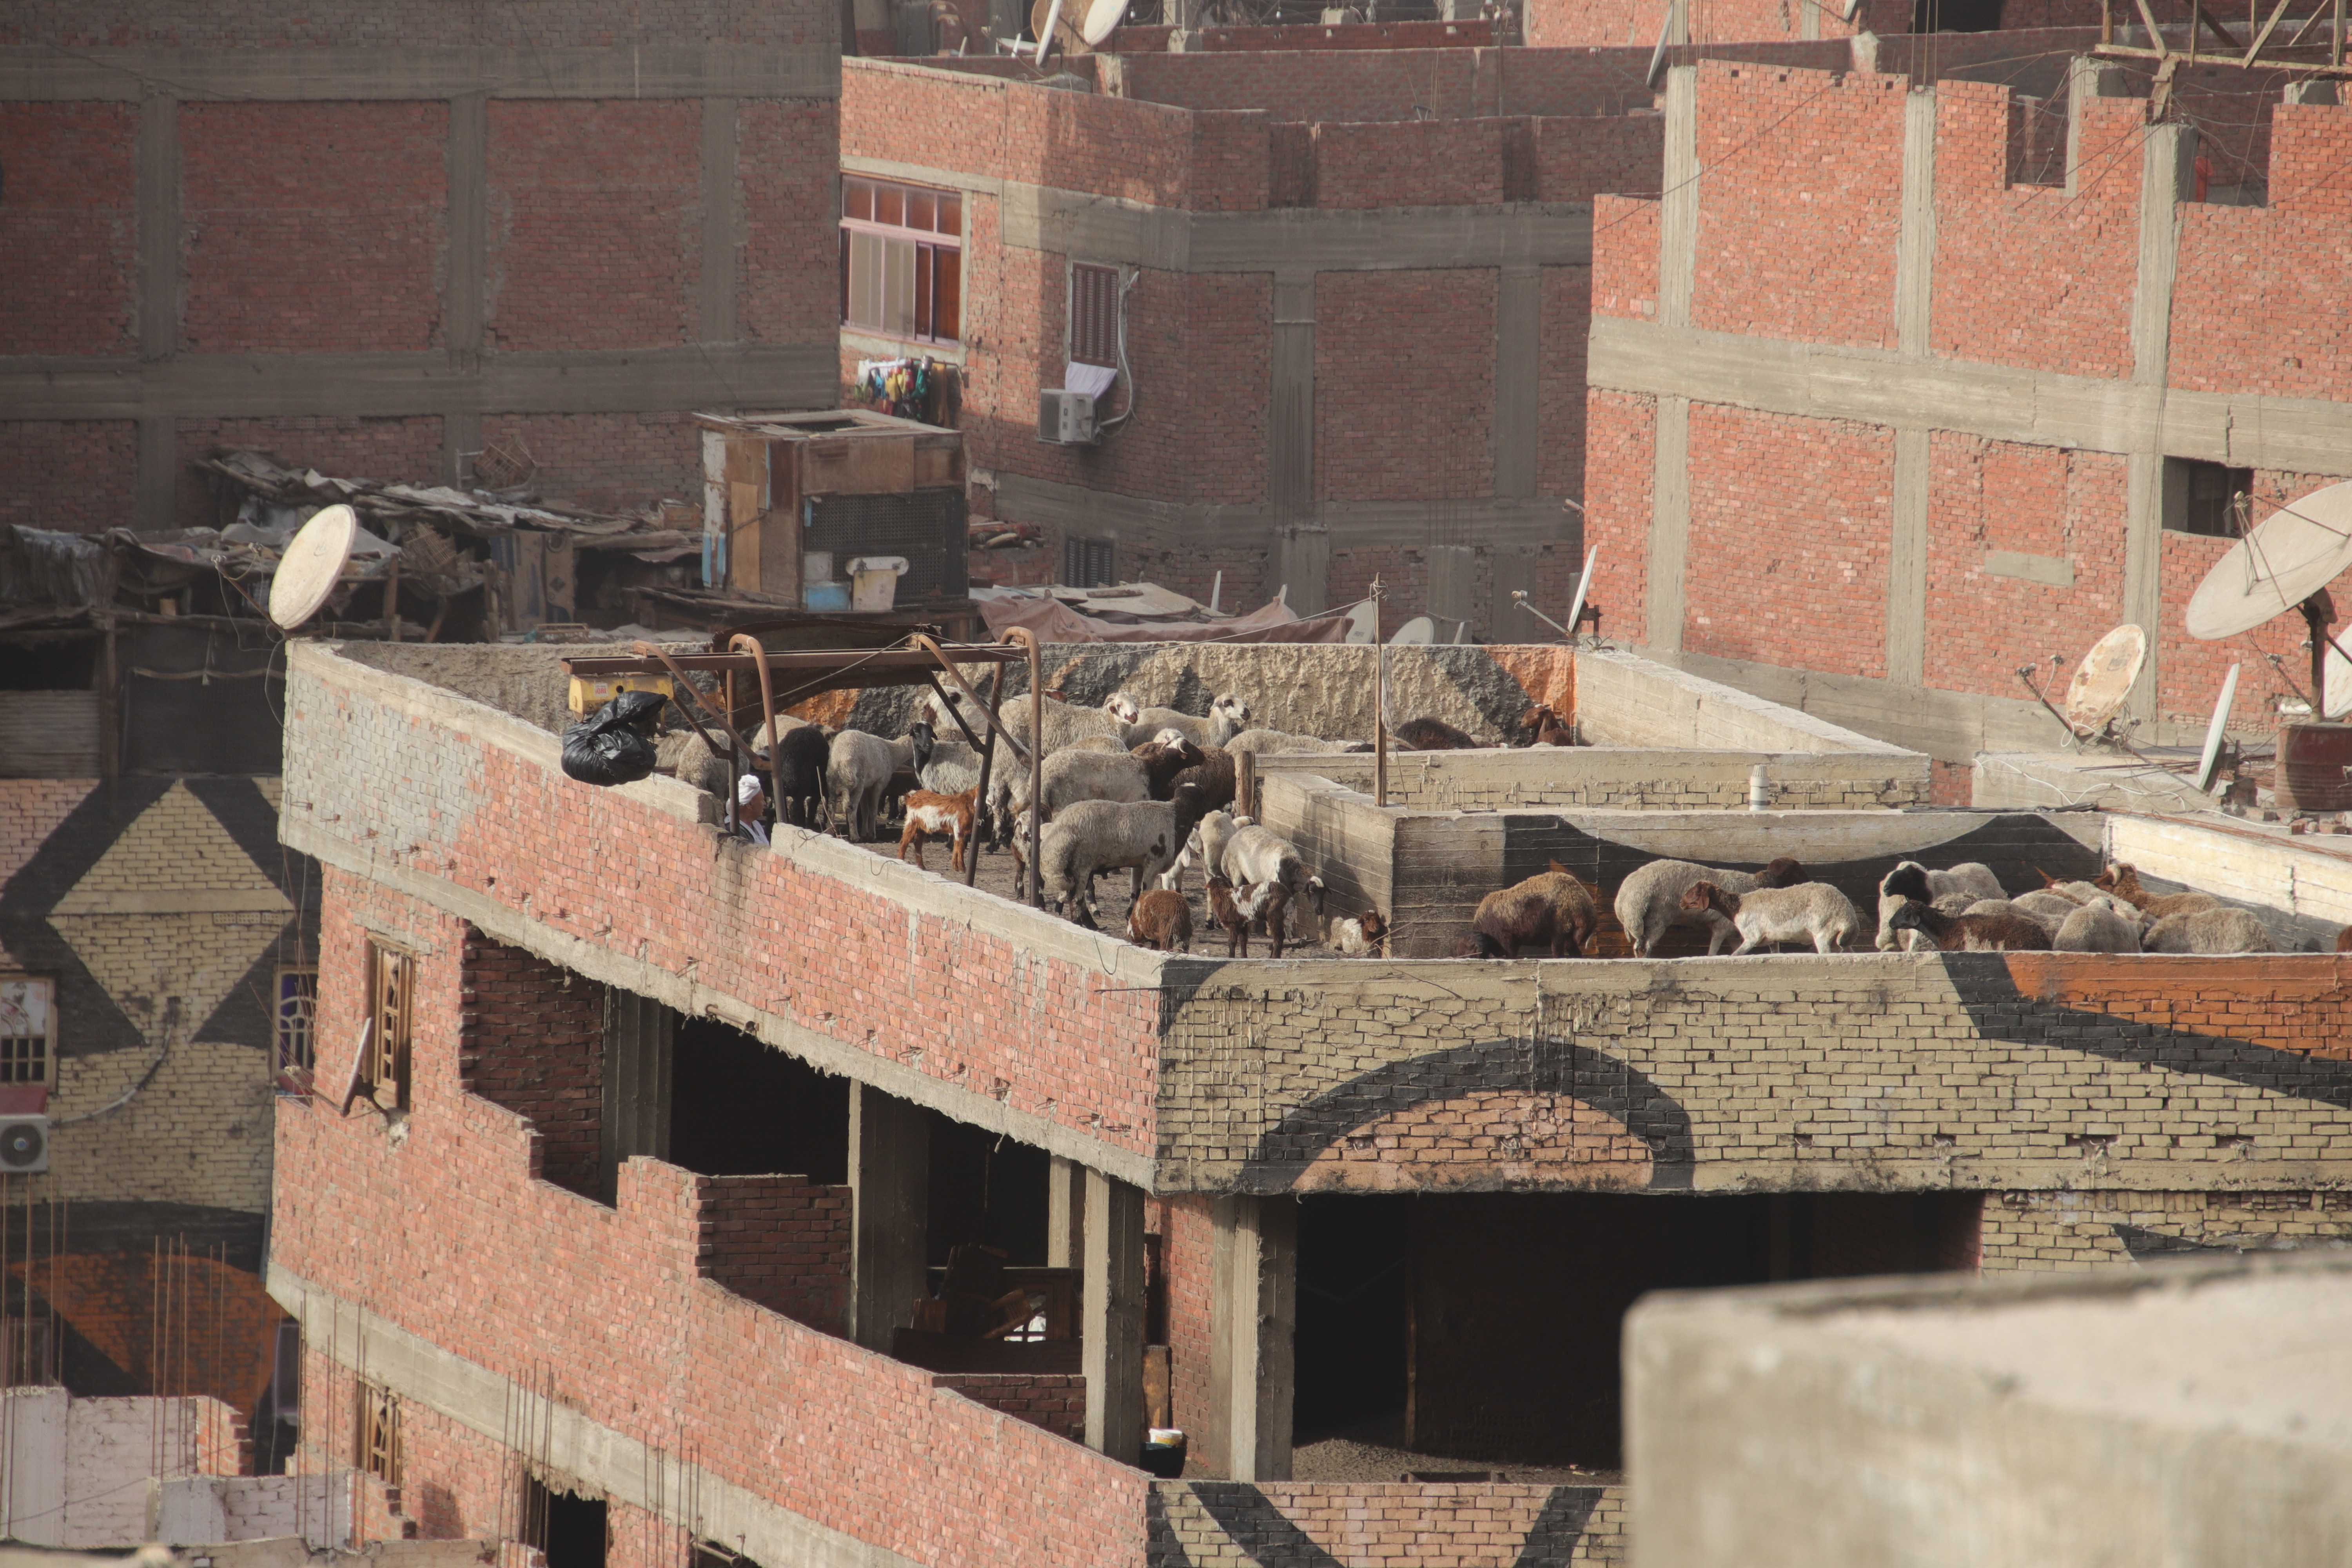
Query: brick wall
x=783 y=1242
x=534 y=1043
x=1187 y=1239
x=1431 y=1525
x=1055 y=1400
x=1404 y=409
x=68 y=227
x=613 y=1320
x=74 y=475
x=2045 y=1231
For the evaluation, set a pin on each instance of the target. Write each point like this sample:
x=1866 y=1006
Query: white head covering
x=746 y=787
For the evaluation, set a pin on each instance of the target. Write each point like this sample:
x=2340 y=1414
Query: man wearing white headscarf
x=750 y=804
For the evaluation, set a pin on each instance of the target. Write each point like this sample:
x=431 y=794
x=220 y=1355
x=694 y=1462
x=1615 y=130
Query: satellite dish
x=2212 y=759
x=1062 y=16
x=1361 y=620
x=2103 y=679
x=1103 y=17
x=312 y=565
x=1583 y=585
x=2296 y=551
x=1420 y=629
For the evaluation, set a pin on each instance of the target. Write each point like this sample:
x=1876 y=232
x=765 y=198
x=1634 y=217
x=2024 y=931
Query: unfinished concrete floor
x=999 y=875
x=1372 y=1451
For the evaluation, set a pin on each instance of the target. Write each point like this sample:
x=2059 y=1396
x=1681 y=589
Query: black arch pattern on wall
x=1266 y=1535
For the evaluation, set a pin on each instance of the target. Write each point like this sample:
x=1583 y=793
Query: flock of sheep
x=1149 y=791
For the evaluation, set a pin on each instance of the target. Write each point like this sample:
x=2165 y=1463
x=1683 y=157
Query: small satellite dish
x=1103 y=17
x=2212 y=759
x=2296 y=551
x=1361 y=620
x=1584 y=586
x=2103 y=679
x=1420 y=629
x=312 y=565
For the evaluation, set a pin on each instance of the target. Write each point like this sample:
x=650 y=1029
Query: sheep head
x=1782 y=873
x=1706 y=896
x=1232 y=707
x=1122 y=707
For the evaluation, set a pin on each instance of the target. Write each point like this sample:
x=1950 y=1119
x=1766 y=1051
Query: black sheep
x=1430 y=735
x=801 y=756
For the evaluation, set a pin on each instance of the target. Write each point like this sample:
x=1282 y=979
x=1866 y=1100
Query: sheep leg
x=1750 y=945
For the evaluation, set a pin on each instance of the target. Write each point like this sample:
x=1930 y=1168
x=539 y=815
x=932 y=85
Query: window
x=392 y=992
x=1094 y=315
x=902 y=260
x=298 y=1005
x=379 y=1433
x=1088 y=564
x=2202 y=498
x=28 y=1028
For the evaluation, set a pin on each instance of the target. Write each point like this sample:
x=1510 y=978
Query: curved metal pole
x=1022 y=637
x=646 y=650
x=743 y=642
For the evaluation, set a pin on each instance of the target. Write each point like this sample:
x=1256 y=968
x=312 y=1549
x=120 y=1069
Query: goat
x=1097 y=835
x=1358 y=936
x=932 y=815
x=1550 y=907
x=1546 y=727
x=1809 y=912
x=1430 y=735
x=859 y=766
x=1256 y=853
x=2223 y=930
x=2123 y=882
x=1160 y=919
x=1236 y=908
x=1912 y=880
x=1227 y=714
x=1970 y=933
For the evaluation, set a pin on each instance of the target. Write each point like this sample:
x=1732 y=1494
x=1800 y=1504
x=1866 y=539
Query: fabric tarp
x=1054 y=622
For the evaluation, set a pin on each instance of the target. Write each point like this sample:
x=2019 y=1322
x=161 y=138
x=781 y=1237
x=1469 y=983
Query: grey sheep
x=2209 y=931
x=1098 y=836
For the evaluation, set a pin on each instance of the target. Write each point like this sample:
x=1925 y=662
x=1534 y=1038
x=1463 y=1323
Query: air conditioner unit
x=23 y=1144
x=1065 y=418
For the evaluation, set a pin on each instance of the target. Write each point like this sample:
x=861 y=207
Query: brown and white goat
x=1236 y=908
x=1358 y=936
x=930 y=815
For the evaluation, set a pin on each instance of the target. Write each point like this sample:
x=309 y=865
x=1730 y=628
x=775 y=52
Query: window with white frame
x=902 y=260
x=297 y=1009
x=28 y=1028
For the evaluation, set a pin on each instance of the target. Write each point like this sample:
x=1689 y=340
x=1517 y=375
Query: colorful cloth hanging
x=910 y=388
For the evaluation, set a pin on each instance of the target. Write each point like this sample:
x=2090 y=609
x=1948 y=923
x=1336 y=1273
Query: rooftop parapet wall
x=801 y=1438
x=1960 y=1071
x=1643 y=778
x=995 y=1013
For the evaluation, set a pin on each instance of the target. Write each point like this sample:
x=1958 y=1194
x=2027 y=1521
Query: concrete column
x=2168 y=176
x=2086 y=79
x=1915 y=245
x=640 y=1051
x=1518 y=361
x=1669 y=524
x=1111 y=1318
x=1679 y=208
x=1252 y=1324
x=155 y=477
x=722 y=208
x=1915 y=295
x=1066 y=1212
x=889 y=1183
x=466 y=167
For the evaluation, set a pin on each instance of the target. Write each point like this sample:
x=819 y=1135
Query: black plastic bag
x=614 y=745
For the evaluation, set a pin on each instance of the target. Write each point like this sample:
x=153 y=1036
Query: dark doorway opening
x=988 y=1188
x=1485 y=1326
x=740 y=1108
x=572 y=1531
x=1956 y=15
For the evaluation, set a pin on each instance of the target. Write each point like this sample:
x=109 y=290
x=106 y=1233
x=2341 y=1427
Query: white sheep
x=1205 y=848
x=1912 y=880
x=1097 y=835
x=1226 y=716
x=2209 y=931
x=1811 y=911
x=2047 y=907
x=856 y=773
x=1066 y=723
x=1257 y=853
x=1071 y=777
x=1651 y=899
x=1280 y=742
x=2097 y=928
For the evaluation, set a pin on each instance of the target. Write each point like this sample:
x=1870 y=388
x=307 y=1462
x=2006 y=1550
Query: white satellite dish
x=1360 y=621
x=2297 y=550
x=312 y=565
x=2212 y=759
x=2103 y=679
x=1583 y=585
x=1103 y=17
x=1420 y=629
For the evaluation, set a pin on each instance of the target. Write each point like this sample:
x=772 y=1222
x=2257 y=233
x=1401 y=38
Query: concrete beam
x=1669 y=523
x=2000 y=403
x=599 y=1460
x=158 y=206
x=603 y=380
x=1535 y=521
x=889 y=1187
x=1519 y=379
x=1907 y=563
x=1111 y=1318
x=1290 y=423
x=1252 y=1326
x=400 y=71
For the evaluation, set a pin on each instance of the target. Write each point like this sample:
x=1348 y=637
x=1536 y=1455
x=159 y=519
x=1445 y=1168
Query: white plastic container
x=874 y=581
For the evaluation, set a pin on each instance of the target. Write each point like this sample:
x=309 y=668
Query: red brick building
x=1886 y=403
x=374 y=242
x=1355 y=285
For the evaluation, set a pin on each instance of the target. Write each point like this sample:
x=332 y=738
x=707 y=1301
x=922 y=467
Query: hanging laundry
x=922 y=389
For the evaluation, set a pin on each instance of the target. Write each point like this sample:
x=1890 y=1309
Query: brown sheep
x=1477 y=945
x=1973 y=933
x=1162 y=919
x=1550 y=907
x=2123 y=882
x=1782 y=873
x=1547 y=727
x=1236 y=908
x=1215 y=773
x=1430 y=735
